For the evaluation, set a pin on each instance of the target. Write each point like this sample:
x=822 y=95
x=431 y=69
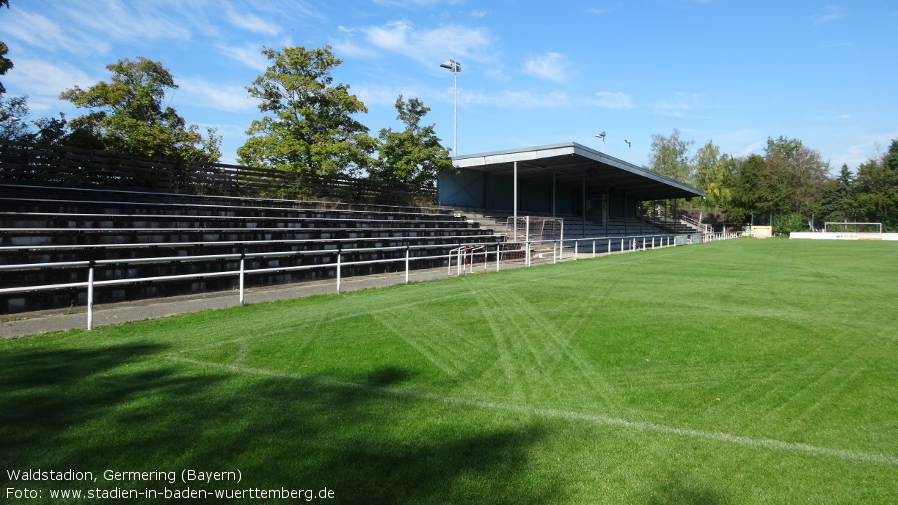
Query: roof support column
x=583 y=229
x=606 y=214
x=626 y=217
x=554 y=192
x=515 y=201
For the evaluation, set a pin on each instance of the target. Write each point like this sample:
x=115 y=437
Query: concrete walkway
x=31 y=323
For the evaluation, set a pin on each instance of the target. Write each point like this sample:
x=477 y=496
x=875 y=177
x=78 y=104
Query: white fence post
x=90 y=296
x=242 y=272
x=339 y=259
x=406 y=263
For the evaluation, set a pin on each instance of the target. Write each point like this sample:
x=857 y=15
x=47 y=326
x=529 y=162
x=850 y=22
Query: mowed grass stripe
x=568 y=415
x=743 y=371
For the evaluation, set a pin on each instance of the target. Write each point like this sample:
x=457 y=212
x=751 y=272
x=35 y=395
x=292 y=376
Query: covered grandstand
x=598 y=192
x=70 y=222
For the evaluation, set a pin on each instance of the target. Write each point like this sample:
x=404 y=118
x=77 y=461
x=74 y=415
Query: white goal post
x=847 y=230
x=852 y=227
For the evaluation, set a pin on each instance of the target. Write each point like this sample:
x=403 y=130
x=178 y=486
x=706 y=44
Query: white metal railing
x=467 y=253
x=465 y=258
x=698 y=225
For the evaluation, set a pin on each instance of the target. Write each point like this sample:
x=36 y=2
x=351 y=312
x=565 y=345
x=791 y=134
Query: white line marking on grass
x=564 y=414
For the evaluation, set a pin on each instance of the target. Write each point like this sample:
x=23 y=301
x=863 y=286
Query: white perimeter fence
x=465 y=257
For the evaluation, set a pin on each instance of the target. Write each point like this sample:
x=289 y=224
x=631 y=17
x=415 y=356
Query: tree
x=670 y=157
x=838 y=201
x=757 y=190
x=877 y=189
x=800 y=170
x=311 y=126
x=12 y=126
x=5 y=63
x=714 y=176
x=129 y=116
x=414 y=155
x=12 y=110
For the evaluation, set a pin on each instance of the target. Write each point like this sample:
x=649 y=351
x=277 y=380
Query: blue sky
x=533 y=72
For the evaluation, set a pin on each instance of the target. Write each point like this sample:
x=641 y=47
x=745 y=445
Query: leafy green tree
x=714 y=176
x=12 y=124
x=12 y=110
x=128 y=116
x=800 y=170
x=757 y=190
x=311 y=125
x=414 y=155
x=838 y=202
x=5 y=63
x=877 y=189
x=670 y=157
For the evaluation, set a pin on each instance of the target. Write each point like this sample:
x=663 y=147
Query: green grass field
x=745 y=371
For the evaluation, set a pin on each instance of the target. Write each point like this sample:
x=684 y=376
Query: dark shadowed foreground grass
x=745 y=371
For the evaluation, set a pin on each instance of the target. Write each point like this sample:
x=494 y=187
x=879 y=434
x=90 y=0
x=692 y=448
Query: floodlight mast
x=602 y=136
x=629 y=150
x=455 y=68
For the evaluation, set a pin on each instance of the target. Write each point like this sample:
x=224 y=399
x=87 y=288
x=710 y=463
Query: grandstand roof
x=572 y=162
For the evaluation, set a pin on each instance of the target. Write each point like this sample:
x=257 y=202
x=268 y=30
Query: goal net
x=870 y=231
x=540 y=232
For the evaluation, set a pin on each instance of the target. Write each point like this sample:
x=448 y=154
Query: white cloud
x=549 y=66
x=678 y=106
x=248 y=54
x=828 y=15
x=611 y=100
x=858 y=154
x=200 y=92
x=415 y=3
x=90 y=28
x=42 y=32
x=44 y=79
x=134 y=21
x=386 y=95
x=429 y=46
x=251 y=22
x=516 y=99
x=753 y=148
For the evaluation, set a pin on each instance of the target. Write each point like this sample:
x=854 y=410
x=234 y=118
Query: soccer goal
x=860 y=231
x=538 y=235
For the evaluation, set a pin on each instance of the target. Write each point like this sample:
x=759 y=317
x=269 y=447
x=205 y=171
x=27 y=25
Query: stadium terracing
x=67 y=240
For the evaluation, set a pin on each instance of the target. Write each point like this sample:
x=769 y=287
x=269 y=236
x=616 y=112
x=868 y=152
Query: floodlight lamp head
x=452 y=65
x=600 y=135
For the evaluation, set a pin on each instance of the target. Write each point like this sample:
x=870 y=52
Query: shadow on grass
x=126 y=408
x=675 y=490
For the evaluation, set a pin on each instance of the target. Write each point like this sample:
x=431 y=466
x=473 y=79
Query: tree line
x=790 y=185
x=309 y=123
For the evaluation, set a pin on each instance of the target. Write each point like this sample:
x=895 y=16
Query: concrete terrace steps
x=47 y=225
x=167 y=199
x=66 y=253
x=26 y=204
x=94 y=220
x=96 y=236
x=574 y=226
